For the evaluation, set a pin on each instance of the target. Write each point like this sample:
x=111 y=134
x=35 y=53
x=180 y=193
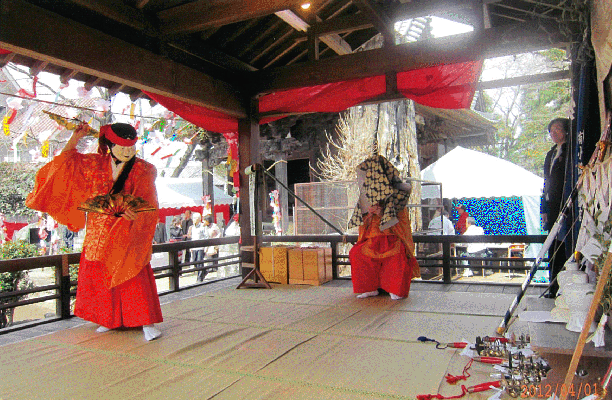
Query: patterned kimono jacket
x=116 y=284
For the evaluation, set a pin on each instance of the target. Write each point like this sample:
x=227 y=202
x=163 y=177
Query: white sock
x=395 y=297
x=367 y=294
x=150 y=332
x=102 y=329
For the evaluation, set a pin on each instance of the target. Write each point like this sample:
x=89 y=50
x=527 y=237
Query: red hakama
x=384 y=259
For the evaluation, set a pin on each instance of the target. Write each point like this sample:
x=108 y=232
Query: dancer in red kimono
x=383 y=256
x=116 y=285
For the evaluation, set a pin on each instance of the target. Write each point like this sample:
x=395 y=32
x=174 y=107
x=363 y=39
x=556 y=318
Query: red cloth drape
x=330 y=97
x=219 y=208
x=449 y=86
x=12 y=227
x=210 y=120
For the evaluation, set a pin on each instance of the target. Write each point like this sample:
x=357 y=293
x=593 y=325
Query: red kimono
x=384 y=259
x=116 y=283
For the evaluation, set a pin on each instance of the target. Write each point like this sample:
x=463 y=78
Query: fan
x=70 y=124
x=115 y=204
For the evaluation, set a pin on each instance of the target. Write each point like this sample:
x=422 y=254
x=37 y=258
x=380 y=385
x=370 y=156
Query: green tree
x=16 y=181
x=523 y=112
x=13 y=281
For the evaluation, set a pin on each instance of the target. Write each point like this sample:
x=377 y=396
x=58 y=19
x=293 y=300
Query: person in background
x=233 y=228
x=160 y=233
x=212 y=231
x=116 y=285
x=461 y=226
x=442 y=225
x=552 y=195
x=474 y=249
x=198 y=231
x=176 y=232
x=185 y=225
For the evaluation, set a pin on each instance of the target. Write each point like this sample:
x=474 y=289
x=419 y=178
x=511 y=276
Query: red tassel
x=454 y=379
x=464 y=391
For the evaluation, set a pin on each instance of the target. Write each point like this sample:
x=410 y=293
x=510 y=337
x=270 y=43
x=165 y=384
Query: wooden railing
x=447 y=259
x=64 y=289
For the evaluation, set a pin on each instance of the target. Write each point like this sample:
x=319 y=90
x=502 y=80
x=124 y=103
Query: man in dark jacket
x=554 y=180
x=185 y=224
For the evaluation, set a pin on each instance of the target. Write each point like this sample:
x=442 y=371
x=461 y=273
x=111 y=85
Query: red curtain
x=219 y=208
x=330 y=97
x=210 y=120
x=449 y=86
x=11 y=227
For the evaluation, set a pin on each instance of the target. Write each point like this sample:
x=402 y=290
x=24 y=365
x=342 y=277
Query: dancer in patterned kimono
x=116 y=286
x=383 y=256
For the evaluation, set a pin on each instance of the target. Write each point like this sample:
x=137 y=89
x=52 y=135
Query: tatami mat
x=291 y=342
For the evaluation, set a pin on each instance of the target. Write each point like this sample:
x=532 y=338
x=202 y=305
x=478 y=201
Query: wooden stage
x=290 y=342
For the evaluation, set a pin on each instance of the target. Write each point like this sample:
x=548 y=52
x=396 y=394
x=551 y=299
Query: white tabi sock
x=395 y=297
x=150 y=332
x=102 y=329
x=367 y=294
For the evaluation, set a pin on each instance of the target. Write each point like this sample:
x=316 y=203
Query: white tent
x=469 y=173
x=185 y=192
x=466 y=173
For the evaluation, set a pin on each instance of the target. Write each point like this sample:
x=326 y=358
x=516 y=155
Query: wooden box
x=309 y=266
x=273 y=263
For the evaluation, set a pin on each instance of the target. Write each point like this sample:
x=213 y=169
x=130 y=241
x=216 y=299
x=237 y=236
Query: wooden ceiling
x=222 y=53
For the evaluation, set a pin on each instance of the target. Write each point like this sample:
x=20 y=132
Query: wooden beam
x=116 y=88
x=6 y=58
x=423 y=8
x=524 y=80
x=198 y=15
x=333 y=40
x=37 y=67
x=77 y=47
x=117 y=10
x=91 y=82
x=381 y=21
x=340 y=25
x=495 y=42
x=67 y=75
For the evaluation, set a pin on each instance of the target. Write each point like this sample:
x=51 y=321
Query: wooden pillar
x=280 y=171
x=312 y=42
x=248 y=153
